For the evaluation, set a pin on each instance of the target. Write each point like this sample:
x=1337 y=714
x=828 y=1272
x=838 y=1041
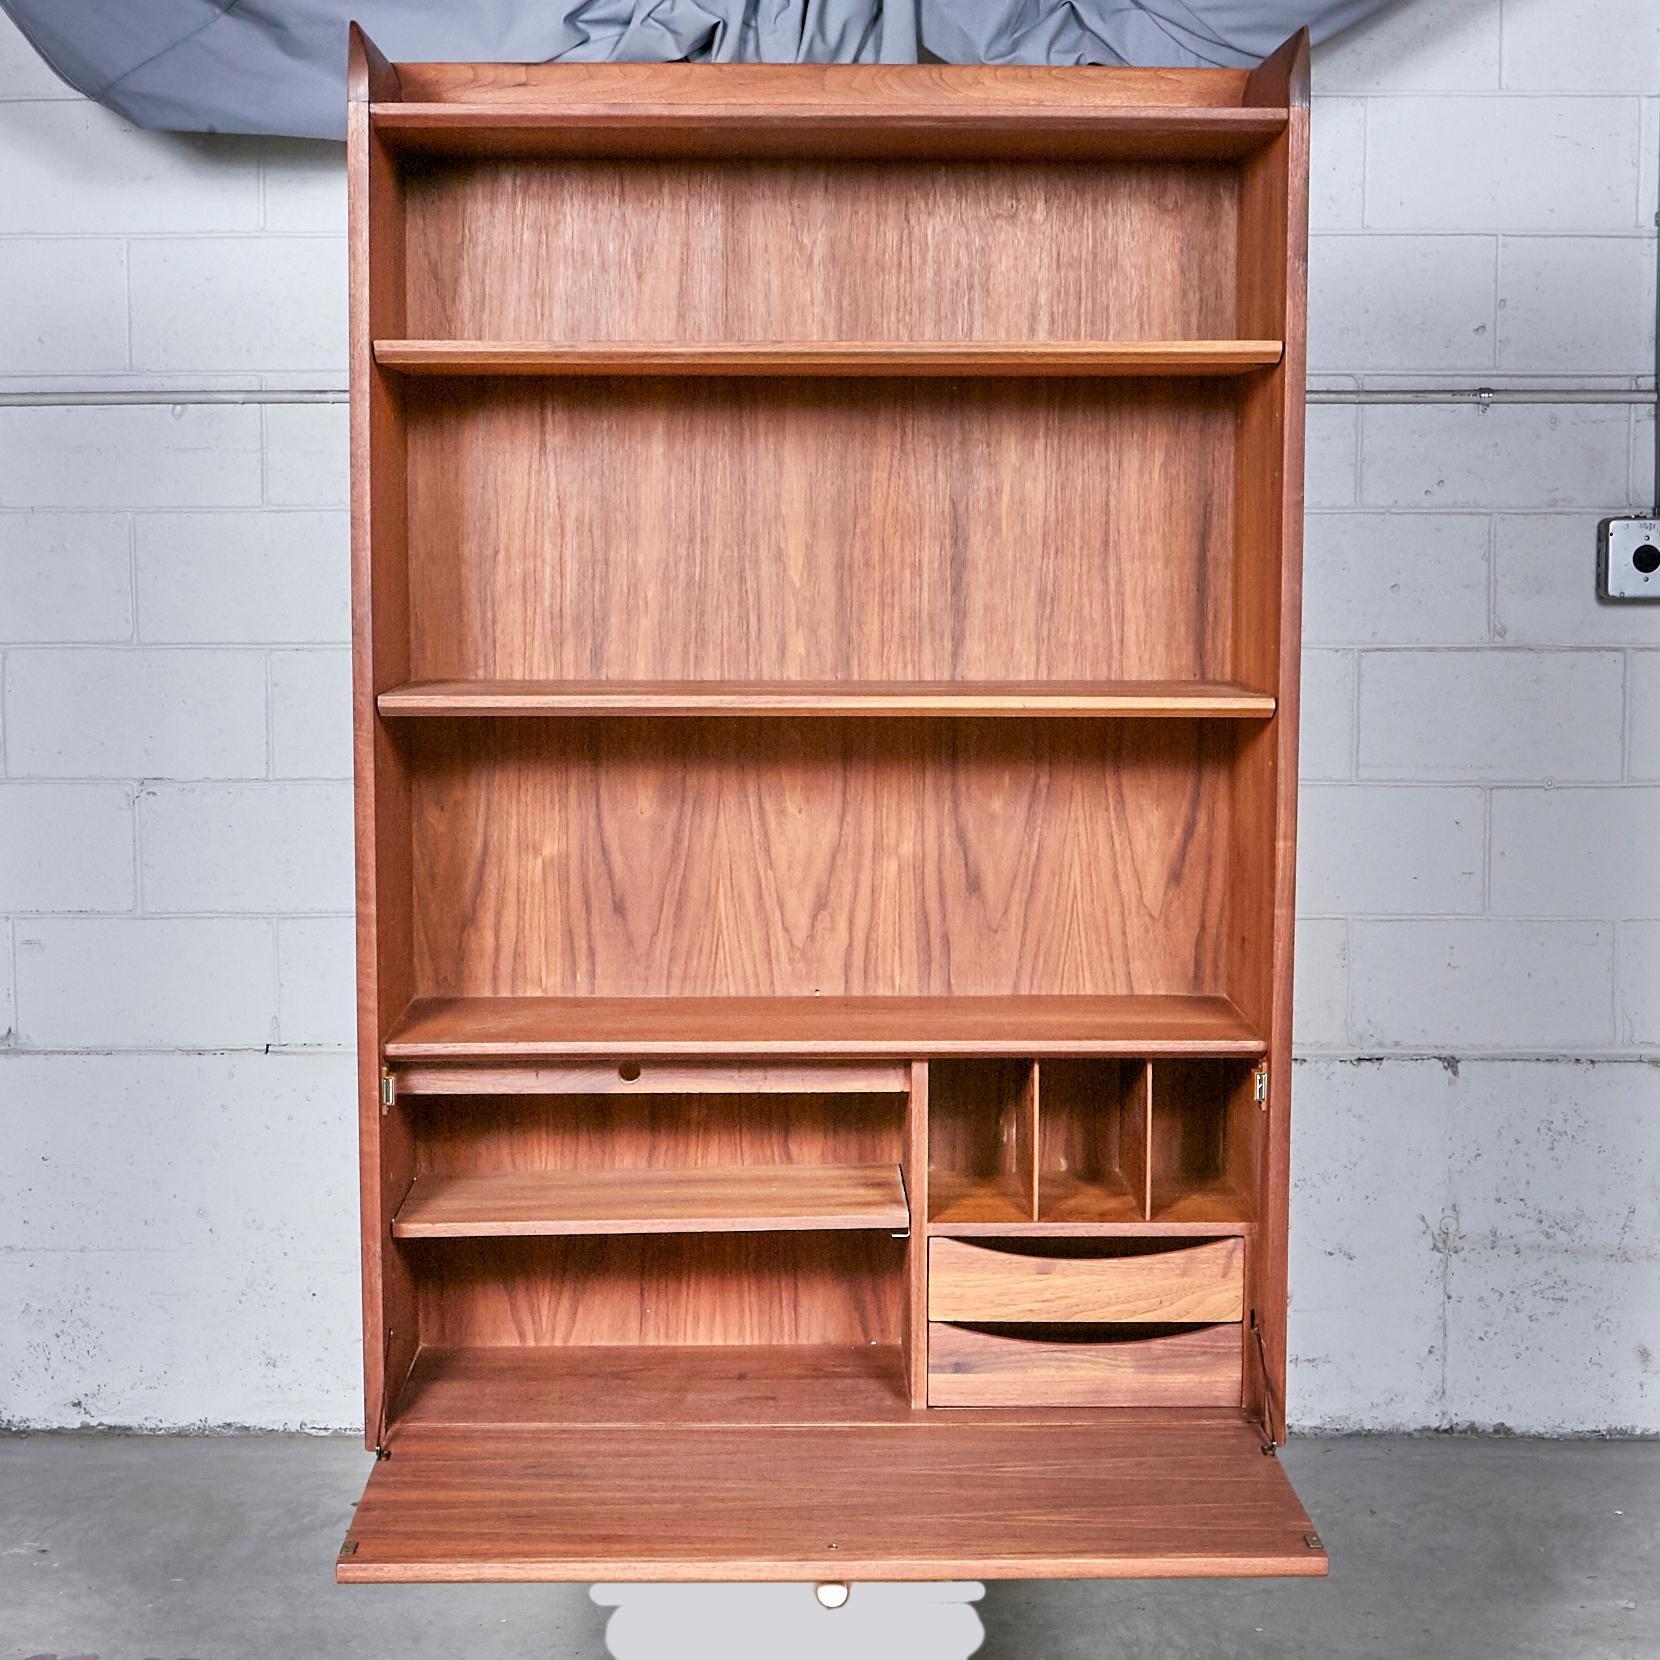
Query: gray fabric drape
x=278 y=66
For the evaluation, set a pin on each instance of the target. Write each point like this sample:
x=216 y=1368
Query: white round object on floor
x=879 y=1621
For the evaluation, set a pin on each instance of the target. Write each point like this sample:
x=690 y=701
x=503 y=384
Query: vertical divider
x=1027 y=1143
x=916 y=1244
x=1135 y=1143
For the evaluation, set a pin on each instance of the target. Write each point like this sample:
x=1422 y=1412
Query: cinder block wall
x=1477 y=1215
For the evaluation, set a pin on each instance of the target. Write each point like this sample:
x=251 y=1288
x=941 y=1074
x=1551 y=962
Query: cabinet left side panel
x=380 y=658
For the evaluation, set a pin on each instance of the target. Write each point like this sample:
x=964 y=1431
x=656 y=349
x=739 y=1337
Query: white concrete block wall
x=1478 y=1114
x=1478 y=1110
x=177 y=1186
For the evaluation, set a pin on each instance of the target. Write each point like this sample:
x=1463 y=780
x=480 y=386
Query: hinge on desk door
x=388 y=1089
x=1259 y=1085
x=382 y=1451
x=1271 y=1441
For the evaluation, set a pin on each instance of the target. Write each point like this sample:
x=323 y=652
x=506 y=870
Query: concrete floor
x=221 y=1548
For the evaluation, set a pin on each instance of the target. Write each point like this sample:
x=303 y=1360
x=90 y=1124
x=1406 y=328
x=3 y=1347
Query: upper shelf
x=782 y=1198
x=450 y=1028
x=828 y=357
x=1144 y=699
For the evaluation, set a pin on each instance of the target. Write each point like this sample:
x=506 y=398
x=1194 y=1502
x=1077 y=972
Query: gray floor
x=136 y=1548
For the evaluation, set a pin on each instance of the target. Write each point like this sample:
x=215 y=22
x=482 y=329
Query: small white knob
x=831 y=1593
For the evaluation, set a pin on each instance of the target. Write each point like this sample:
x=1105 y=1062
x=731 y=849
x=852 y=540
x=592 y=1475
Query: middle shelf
x=459 y=1028
x=828 y=357
x=1145 y=699
x=780 y=1198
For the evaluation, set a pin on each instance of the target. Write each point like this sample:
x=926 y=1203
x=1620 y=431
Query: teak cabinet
x=826 y=549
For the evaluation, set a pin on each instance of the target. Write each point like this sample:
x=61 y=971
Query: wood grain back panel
x=1090 y=1140
x=818 y=858
x=980 y=1140
x=650 y=1288
x=627 y=250
x=662 y=1132
x=830 y=530
x=1207 y=1135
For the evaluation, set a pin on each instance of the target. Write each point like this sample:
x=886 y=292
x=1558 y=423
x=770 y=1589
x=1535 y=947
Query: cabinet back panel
x=607 y=1132
x=621 y=250
x=842 y=857
x=666 y=529
x=660 y=1288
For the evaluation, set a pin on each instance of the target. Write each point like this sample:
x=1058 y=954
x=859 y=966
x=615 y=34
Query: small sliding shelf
x=1147 y=700
x=454 y=1028
x=777 y=1198
x=1154 y=358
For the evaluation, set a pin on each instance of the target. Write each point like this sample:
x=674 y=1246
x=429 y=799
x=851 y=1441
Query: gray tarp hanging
x=278 y=66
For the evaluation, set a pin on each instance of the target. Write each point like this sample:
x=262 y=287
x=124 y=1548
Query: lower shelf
x=772 y=1198
x=653 y=1384
x=943 y=1496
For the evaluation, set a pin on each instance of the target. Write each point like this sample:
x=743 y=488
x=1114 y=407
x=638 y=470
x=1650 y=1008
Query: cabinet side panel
x=380 y=658
x=1267 y=624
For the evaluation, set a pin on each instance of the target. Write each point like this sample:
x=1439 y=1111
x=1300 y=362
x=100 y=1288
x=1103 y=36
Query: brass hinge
x=348 y=1547
x=388 y=1089
x=1259 y=1086
x=1312 y=1540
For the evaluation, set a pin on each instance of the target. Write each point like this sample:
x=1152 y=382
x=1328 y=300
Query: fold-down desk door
x=943 y=1497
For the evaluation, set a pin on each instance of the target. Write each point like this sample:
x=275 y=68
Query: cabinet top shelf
x=1155 y=358
x=836 y=111
x=452 y=1028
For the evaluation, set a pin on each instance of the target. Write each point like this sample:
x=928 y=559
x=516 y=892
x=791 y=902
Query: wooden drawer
x=986 y=1284
x=968 y=1367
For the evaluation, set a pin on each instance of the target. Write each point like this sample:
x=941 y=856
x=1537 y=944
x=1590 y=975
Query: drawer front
x=1200 y=1367
x=985 y=1285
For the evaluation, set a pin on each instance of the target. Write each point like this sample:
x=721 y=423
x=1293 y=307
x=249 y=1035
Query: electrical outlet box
x=1628 y=558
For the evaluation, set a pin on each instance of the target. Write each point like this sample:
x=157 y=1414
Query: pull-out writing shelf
x=826 y=550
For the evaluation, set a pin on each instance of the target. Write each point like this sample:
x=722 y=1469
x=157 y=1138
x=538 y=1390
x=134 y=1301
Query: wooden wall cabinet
x=825 y=550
